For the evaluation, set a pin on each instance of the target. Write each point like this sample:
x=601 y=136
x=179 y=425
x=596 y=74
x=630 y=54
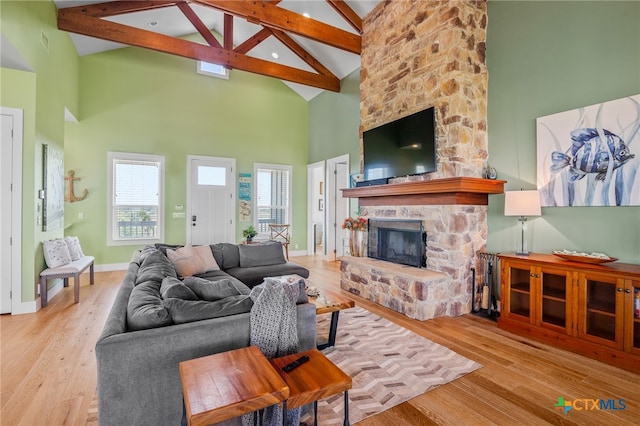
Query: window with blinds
x=273 y=194
x=136 y=198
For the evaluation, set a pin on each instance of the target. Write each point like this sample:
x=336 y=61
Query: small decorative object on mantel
x=69 y=195
x=490 y=172
x=249 y=233
x=357 y=228
x=584 y=257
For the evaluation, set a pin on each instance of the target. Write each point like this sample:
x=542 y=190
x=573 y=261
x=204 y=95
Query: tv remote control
x=287 y=368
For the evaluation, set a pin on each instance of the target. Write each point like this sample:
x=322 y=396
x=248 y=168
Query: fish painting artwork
x=588 y=156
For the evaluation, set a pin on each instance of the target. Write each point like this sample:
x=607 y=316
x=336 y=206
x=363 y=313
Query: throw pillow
x=75 y=250
x=215 y=290
x=262 y=254
x=183 y=311
x=56 y=253
x=206 y=255
x=173 y=287
x=186 y=261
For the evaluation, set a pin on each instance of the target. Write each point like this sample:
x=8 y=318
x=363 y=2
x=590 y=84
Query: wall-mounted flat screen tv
x=406 y=146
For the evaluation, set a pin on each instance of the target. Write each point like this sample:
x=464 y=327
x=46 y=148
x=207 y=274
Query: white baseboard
x=111 y=267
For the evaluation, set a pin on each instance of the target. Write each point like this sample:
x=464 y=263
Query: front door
x=211 y=200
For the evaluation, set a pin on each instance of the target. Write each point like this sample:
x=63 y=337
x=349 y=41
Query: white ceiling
x=171 y=21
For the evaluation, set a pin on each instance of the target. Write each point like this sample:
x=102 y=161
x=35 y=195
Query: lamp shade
x=522 y=203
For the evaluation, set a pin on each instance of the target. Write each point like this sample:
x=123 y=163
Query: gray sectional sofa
x=147 y=335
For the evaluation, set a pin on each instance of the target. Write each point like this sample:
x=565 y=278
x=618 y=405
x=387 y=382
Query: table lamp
x=522 y=203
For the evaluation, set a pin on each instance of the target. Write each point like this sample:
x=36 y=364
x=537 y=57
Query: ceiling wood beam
x=228 y=31
x=253 y=41
x=301 y=52
x=103 y=10
x=269 y=15
x=199 y=25
x=75 y=21
x=347 y=14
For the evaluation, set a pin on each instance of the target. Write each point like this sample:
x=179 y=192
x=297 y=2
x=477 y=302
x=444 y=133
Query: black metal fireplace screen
x=398 y=241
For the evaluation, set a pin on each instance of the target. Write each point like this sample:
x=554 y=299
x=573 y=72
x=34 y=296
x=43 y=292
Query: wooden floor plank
x=48 y=369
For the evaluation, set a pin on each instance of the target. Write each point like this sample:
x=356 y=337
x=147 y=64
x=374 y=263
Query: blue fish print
x=590 y=155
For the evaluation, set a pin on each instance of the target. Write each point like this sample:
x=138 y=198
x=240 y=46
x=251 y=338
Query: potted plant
x=249 y=233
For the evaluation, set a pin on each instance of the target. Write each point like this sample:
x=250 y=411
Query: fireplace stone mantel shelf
x=447 y=191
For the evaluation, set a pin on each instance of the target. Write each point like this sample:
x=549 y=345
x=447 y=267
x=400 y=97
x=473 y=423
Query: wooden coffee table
x=330 y=301
x=226 y=385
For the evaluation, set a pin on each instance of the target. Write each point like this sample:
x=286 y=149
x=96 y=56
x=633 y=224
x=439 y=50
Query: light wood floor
x=49 y=372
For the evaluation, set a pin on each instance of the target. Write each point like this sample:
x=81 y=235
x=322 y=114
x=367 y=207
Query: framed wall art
x=590 y=156
x=53 y=176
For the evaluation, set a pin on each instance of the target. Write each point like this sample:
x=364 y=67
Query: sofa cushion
x=145 y=308
x=173 y=287
x=190 y=260
x=216 y=290
x=230 y=256
x=261 y=254
x=183 y=311
x=56 y=253
x=256 y=275
x=154 y=267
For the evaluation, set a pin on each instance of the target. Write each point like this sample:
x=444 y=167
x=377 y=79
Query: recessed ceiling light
x=153 y=23
x=306 y=15
x=274 y=55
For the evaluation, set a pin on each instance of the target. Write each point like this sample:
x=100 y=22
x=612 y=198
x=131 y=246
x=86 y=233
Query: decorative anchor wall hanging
x=70 y=195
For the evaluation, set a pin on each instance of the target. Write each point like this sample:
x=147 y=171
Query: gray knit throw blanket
x=274 y=329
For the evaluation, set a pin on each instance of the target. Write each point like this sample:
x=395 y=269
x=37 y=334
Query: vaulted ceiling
x=310 y=45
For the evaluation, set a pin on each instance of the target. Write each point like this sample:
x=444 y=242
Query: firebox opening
x=398 y=241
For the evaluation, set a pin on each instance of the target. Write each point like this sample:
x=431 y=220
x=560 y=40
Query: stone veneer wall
x=418 y=54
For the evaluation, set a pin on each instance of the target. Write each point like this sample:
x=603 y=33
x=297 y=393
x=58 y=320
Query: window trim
x=113 y=156
x=200 y=70
x=289 y=211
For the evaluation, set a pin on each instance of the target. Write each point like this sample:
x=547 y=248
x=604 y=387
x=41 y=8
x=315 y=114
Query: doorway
x=11 y=213
x=211 y=187
x=316 y=199
x=336 y=206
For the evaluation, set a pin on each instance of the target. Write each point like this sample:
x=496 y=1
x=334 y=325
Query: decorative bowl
x=584 y=259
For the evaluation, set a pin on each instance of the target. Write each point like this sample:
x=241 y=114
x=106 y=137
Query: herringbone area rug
x=387 y=363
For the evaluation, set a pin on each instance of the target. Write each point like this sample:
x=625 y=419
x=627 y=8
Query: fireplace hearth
x=398 y=241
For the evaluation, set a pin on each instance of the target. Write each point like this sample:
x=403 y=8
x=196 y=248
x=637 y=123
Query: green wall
x=334 y=122
x=548 y=57
x=334 y=126
x=43 y=96
x=137 y=100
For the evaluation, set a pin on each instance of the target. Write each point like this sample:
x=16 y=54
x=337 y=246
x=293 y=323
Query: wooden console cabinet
x=581 y=307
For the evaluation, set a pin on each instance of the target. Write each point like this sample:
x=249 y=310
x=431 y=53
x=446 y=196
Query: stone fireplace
x=415 y=55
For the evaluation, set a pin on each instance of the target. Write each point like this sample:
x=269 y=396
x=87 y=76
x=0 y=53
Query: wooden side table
x=329 y=301
x=226 y=385
x=314 y=380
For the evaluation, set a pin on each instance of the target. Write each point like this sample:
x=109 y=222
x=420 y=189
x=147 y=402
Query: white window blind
x=135 y=198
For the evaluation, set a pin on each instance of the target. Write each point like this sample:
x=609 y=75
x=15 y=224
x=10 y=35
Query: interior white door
x=211 y=200
x=6 y=147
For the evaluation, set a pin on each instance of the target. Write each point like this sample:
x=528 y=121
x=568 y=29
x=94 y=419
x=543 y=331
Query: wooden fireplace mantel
x=447 y=191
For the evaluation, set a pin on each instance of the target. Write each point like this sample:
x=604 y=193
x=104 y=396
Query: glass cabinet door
x=520 y=292
x=554 y=298
x=600 y=318
x=634 y=339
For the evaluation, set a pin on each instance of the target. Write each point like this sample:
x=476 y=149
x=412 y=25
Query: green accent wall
x=137 y=100
x=549 y=57
x=43 y=95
